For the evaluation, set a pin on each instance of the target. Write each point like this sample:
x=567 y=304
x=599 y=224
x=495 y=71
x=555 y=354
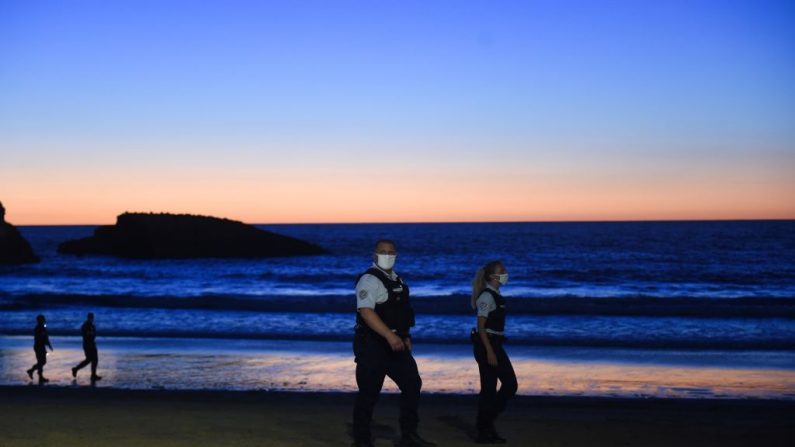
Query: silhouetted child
x=89 y=348
x=40 y=341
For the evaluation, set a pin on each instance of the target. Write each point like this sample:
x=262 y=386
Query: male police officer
x=382 y=346
x=41 y=340
x=89 y=332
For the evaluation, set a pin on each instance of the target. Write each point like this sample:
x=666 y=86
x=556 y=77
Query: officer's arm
x=485 y=304
x=407 y=337
x=376 y=324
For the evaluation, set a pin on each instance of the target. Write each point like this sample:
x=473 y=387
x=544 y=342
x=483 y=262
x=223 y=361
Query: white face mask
x=503 y=279
x=386 y=262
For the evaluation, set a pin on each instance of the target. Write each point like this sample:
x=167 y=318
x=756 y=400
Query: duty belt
x=366 y=329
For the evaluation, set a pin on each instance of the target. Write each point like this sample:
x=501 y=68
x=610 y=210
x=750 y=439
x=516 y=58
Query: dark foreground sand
x=51 y=416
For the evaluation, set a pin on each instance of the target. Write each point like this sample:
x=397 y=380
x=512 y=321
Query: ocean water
x=632 y=287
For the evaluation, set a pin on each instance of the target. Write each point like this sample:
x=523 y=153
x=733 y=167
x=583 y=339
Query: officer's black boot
x=412 y=439
x=489 y=437
x=487 y=434
x=483 y=438
x=497 y=439
x=484 y=427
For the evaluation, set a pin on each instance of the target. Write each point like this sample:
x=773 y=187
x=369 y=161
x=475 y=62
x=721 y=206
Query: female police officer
x=493 y=362
x=382 y=346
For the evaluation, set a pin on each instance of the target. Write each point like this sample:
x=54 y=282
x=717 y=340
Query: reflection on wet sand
x=284 y=365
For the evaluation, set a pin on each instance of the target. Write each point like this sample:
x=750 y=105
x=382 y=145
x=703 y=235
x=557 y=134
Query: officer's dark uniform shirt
x=491 y=304
x=388 y=296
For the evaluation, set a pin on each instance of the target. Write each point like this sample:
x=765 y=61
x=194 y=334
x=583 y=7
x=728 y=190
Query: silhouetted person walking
x=89 y=332
x=41 y=340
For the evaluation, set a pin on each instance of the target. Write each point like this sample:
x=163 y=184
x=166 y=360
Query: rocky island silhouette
x=14 y=249
x=181 y=236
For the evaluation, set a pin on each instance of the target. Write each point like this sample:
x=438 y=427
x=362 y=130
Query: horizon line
x=772 y=219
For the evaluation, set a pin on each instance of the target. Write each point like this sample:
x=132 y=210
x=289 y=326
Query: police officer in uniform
x=487 y=342
x=89 y=332
x=41 y=340
x=382 y=346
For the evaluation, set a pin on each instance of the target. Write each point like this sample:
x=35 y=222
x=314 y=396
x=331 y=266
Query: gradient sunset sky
x=395 y=111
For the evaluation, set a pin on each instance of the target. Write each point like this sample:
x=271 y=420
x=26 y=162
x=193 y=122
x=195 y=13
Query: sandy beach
x=63 y=416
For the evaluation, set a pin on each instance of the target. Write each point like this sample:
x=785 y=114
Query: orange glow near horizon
x=441 y=186
x=418 y=200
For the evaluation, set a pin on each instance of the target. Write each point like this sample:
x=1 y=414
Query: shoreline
x=520 y=345
x=301 y=366
x=32 y=415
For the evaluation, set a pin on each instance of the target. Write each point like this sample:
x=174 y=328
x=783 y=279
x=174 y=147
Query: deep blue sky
x=300 y=111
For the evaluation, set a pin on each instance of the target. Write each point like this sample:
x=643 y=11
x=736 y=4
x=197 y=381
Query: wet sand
x=313 y=366
x=71 y=416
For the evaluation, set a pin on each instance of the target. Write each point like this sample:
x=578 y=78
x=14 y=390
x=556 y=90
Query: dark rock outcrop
x=173 y=236
x=14 y=249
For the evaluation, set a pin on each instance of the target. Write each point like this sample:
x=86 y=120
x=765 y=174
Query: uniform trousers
x=374 y=361
x=490 y=401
